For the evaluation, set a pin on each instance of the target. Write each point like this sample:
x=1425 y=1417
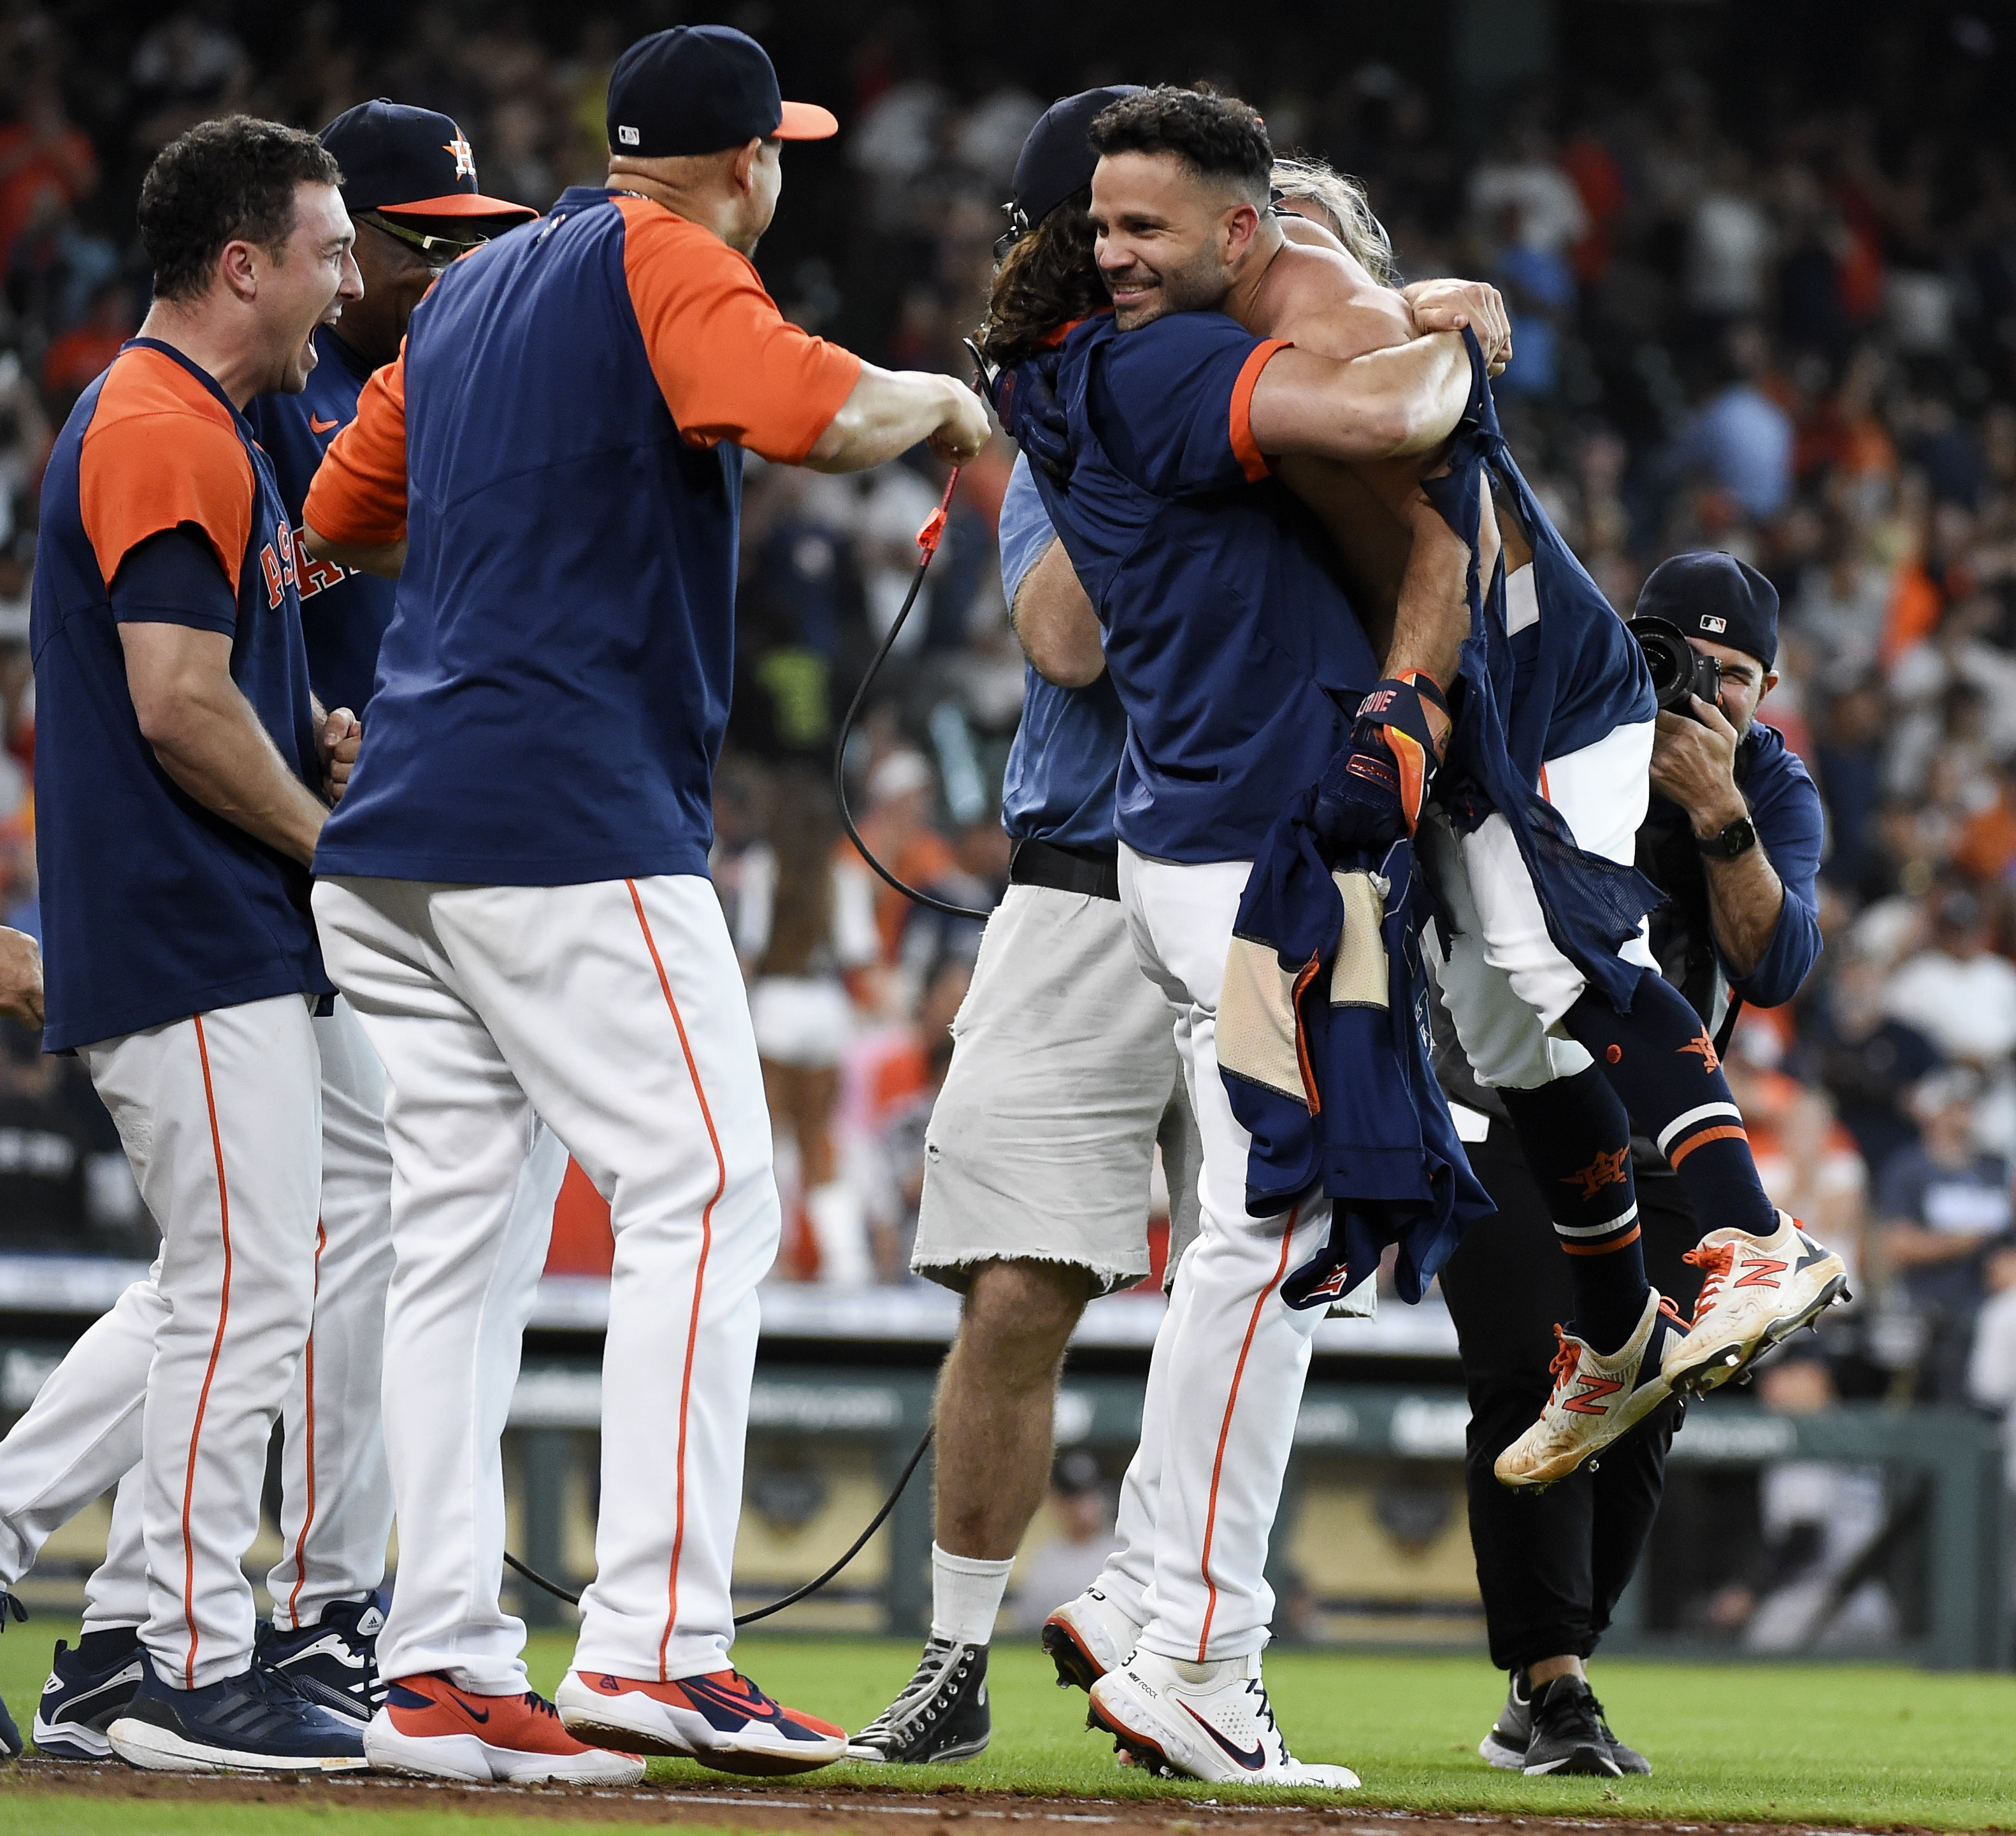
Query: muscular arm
x=209 y=740
x=1054 y=620
x=1396 y=403
x=889 y=412
x=20 y=976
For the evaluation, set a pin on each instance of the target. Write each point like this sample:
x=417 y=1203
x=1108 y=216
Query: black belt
x=1065 y=870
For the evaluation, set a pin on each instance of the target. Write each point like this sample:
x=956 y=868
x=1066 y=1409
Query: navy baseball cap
x=1713 y=596
x=409 y=162
x=1056 y=160
x=701 y=89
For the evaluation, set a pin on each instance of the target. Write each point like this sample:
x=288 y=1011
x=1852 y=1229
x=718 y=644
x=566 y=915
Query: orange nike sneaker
x=1758 y=1291
x=429 y=1726
x=721 y=1719
x=1596 y=1399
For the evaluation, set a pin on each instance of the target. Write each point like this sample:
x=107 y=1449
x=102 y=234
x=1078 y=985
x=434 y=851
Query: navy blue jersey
x=560 y=443
x=344 y=612
x=153 y=908
x=1229 y=635
x=1062 y=767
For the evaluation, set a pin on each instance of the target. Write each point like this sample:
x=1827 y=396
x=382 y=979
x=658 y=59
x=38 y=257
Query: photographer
x=1733 y=837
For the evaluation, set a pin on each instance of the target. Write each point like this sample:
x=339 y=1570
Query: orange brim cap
x=806 y=120
x=458 y=203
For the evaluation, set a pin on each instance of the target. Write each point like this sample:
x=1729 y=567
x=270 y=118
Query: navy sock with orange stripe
x=1661 y=1061
x=1576 y=1138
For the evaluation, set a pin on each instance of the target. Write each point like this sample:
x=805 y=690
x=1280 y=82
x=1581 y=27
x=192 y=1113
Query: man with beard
x=1548 y=798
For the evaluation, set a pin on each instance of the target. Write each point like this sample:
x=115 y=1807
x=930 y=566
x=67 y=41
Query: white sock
x=965 y=1595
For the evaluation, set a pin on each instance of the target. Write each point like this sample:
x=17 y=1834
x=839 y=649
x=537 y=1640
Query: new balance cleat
x=940 y=1714
x=1087 y=1637
x=1567 y=1732
x=1505 y=1746
x=256 y=1722
x=1758 y=1290
x=430 y=1727
x=81 y=1699
x=1595 y=1399
x=1202 y=1721
x=334 y=1661
x=721 y=1719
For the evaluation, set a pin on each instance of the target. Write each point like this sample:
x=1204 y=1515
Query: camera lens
x=1671 y=660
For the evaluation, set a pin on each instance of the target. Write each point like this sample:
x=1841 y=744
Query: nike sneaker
x=429 y=1726
x=721 y=1719
x=1568 y=1734
x=81 y=1699
x=940 y=1714
x=1505 y=1746
x=1756 y=1291
x=1087 y=1637
x=334 y=1661
x=256 y=1722
x=1597 y=1398
x=1202 y=1721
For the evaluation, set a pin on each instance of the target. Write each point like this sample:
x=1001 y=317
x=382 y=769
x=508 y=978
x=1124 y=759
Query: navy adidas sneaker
x=334 y=1661
x=10 y=1735
x=254 y=1721
x=88 y=1691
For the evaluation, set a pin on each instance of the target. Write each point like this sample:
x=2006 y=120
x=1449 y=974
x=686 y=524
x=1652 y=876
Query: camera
x=1679 y=671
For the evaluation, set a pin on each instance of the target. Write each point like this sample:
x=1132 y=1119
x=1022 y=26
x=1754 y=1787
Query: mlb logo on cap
x=1717 y=625
x=627 y=136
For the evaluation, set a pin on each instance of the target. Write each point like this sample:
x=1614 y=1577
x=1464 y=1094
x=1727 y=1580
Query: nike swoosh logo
x=1252 y=1761
x=461 y=1702
x=318 y=425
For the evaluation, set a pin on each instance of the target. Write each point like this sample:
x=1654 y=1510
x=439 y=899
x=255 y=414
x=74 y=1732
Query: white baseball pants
x=82 y=1432
x=617 y=1010
x=1506 y=983
x=1230 y=1361
x=221 y=1116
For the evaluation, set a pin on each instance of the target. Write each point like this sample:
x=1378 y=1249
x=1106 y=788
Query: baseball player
x=514 y=893
x=84 y=1428
x=1158 y=256
x=181 y=760
x=1064 y=1076
x=1221 y=643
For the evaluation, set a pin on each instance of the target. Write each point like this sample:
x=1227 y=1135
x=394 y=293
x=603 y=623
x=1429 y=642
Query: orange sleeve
x=358 y=494
x=730 y=365
x=141 y=473
x=1252 y=461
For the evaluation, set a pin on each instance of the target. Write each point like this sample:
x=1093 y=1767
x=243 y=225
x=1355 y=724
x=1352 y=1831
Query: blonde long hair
x=1342 y=200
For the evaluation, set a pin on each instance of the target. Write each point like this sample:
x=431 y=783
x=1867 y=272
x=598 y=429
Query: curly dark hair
x=1047 y=279
x=1218 y=136
x=224 y=181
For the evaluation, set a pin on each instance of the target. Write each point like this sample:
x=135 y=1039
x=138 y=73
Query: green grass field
x=1806 y=1744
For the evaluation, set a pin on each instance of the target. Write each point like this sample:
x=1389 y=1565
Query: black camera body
x=1680 y=672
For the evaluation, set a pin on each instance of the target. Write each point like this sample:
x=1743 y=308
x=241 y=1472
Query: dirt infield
x=780 y=1807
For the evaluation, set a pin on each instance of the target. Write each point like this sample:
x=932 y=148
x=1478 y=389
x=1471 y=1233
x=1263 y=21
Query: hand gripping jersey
x=1228 y=635
x=344 y=612
x=154 y=908
x=561 y=444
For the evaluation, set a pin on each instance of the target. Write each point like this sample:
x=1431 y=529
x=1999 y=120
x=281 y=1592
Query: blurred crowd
x=1788 y=331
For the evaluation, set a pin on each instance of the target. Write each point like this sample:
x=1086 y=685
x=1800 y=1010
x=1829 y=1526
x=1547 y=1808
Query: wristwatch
x=1739 y=838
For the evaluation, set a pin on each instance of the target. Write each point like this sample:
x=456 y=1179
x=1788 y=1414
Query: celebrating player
x=515 y=895
x=1033 y=1202
x=83 y=1429
x=1221 y=644
x=180 y=767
